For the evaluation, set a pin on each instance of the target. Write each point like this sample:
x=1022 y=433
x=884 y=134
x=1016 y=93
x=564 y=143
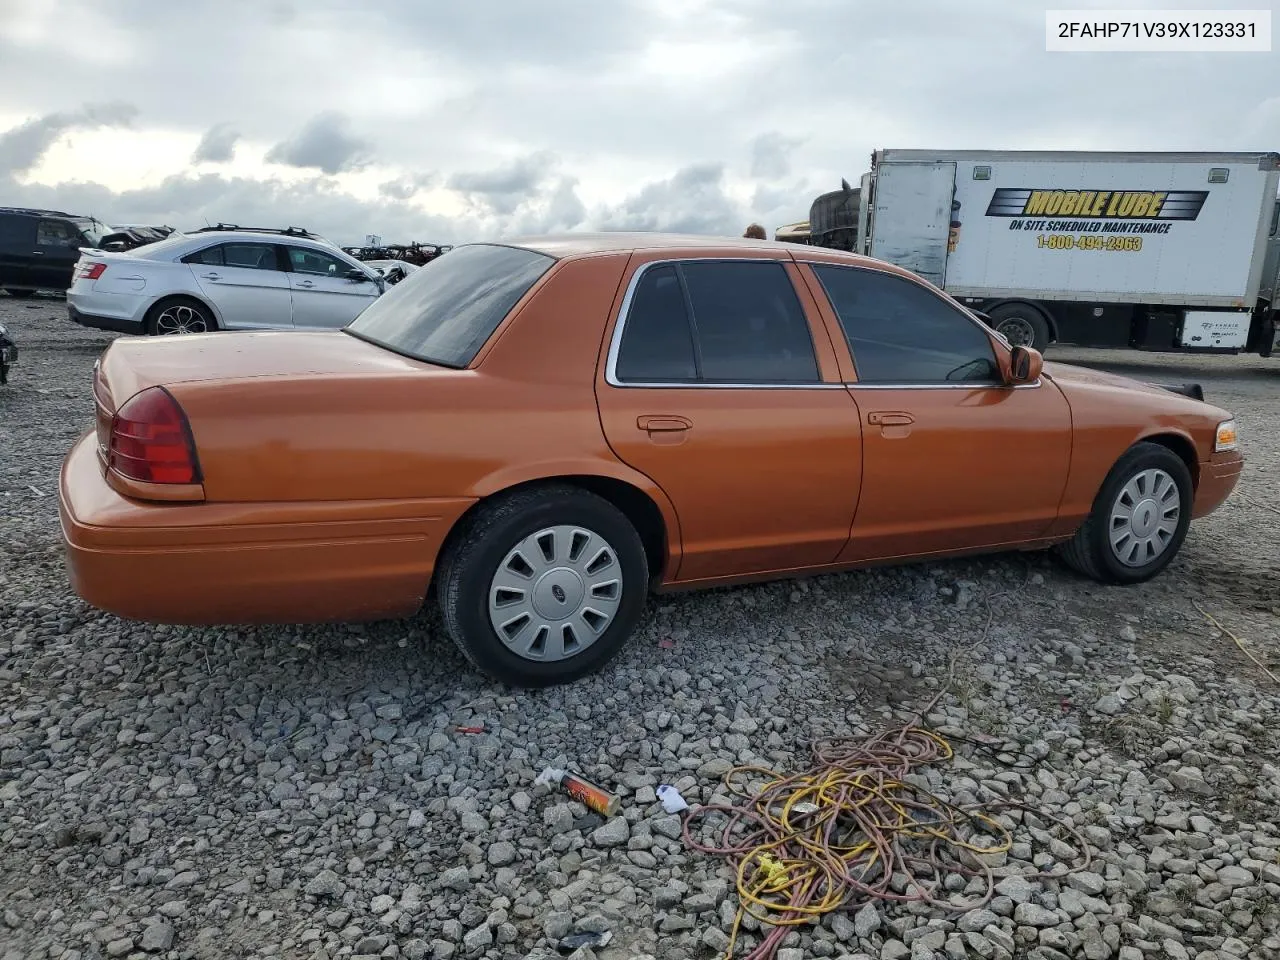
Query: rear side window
x=444 y=311
x=57 y=233
x=17 y=233
x=715 y=321
x=657 y=341
x=211 y=256
x=901 y=333
x=251 y=256
x=750 y=325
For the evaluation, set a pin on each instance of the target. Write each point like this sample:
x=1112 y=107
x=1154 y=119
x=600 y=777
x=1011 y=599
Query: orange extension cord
x=832 y=837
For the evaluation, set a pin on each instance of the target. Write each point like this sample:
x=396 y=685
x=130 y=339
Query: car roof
x=36 y=212
x=178 y=244
x=214 y=238
x=569 y=245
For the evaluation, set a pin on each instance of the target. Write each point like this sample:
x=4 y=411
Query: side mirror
x=360 y=275
x=1025 y=364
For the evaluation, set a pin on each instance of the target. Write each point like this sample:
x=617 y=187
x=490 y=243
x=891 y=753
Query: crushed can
x=590 y=795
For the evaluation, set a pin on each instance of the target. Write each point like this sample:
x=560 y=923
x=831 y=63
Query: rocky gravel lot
x=306 y=792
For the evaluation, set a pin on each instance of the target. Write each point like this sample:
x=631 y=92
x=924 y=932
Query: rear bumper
x=244 y=563
x=114 y=324
x=1218 y=478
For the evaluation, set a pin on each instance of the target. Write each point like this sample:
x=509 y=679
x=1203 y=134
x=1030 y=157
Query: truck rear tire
x=1021 y=324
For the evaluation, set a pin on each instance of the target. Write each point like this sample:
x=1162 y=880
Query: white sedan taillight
x=90 y=270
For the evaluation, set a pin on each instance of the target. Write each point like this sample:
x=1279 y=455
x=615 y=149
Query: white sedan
x=220 y=279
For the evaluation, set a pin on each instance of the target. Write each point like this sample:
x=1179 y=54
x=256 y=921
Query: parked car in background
x=130 y=236
x=39 y=248
x=222 y=278
x=418 y=254
x=392 y=270
x=542 y=431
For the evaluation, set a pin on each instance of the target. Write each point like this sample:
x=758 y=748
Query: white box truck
x=1154 y=251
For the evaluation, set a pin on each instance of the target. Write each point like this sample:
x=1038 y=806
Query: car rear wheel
x=179 y=315
x=1022 y=325
x=543 y=586
x=1139 y=518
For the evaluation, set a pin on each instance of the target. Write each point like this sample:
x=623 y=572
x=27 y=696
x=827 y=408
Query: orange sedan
x=542 y=432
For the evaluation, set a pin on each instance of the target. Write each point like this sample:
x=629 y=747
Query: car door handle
x=663 y=424
x=890 y=419
x=210 y=276
x=305 y=283
x=37 y=253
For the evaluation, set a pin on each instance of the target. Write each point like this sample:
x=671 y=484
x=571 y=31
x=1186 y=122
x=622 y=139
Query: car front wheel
x=543 y=586
x=1139 y=518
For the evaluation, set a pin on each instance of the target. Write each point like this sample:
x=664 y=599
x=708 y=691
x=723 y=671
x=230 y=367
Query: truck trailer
x=1165 y=252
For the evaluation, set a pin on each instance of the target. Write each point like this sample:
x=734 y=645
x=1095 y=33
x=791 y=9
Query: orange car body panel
x=246 y=562
x=333 y=470
x=764 y=478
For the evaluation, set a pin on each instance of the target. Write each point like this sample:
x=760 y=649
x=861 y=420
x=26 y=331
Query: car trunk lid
x=131 y=365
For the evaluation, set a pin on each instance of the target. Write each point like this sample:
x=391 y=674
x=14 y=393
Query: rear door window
x=251 y=256
x=58 y=233
x=445 y=311
x=17 y=234
x=749 y=324
x=716 y=321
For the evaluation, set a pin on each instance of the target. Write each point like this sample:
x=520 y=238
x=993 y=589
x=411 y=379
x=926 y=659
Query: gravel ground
x=305 y=792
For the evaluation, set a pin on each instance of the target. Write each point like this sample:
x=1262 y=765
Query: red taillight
x=151 y=441
x=91 y=271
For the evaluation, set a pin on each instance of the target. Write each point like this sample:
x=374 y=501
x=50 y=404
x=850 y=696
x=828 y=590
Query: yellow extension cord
x=835 y=822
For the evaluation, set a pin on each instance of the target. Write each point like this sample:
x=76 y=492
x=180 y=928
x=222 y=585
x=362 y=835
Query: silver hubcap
x=1144 y=517
x=1018 y=331
x=180 y=318
x=555 y=593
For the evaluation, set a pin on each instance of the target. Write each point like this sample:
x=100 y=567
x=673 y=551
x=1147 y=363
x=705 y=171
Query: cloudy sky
x=455 y=121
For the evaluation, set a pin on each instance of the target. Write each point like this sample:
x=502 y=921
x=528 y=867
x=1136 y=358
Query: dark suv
x=39 y=248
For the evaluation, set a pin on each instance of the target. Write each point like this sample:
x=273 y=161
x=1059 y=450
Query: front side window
x=445 y=311
x=716 y=321
x=302 y=260
x=901 y=333
x=57 y=233
x=93 y=230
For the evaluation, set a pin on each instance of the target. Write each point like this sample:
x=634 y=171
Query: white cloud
x=466 y=120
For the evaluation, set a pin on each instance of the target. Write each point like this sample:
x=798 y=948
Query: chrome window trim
x=615 y=342
x=944 y=386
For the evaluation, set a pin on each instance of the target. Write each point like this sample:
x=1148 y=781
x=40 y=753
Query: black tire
x=1089 y=552
x=155 y=316
x=466 y=572
x=19 y=294
x=1021 y=324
